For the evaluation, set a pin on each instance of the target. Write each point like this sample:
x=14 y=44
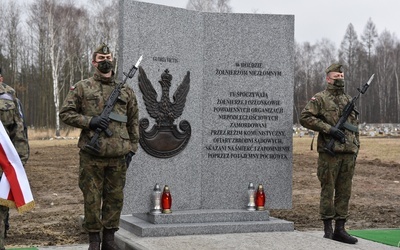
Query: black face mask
x=105 y=66
x=338 y=82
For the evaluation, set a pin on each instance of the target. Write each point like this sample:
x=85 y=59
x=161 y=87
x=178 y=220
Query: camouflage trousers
x=102 y=181
x=3 y=215
x=336 y=176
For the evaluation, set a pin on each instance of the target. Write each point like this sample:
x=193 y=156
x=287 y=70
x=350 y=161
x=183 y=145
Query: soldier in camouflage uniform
x=12 y=118
x=102 y=175
x=335 y=173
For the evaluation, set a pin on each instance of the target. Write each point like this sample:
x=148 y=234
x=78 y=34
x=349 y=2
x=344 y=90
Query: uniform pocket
x=93 y=97
x=92 y=103
x=330 y=114
x=7 y=108
x=120 y=107
x=124 y=134
x=122 y=99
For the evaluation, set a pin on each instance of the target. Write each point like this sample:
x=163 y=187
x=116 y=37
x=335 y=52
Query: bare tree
x=326 y=54
x=223 y=6
x=385 y=72
x=2 y=34
x=54 y=25
x=40 y=93
x=310 y=64
x=396 y=67
x=209 y=5
x=347 y=54
x=303 y=83
x=56 y=17
x=55 y=52
x=368 y=39
x=103 y=28
x=75 y=44
x=12 y=35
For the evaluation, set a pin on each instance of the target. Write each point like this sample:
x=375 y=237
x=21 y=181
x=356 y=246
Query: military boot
x=328 y=230
x=108 y=240
x=94 y=241
x=341 y=235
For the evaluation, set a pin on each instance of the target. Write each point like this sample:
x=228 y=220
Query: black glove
x=98 y=122
x=128 y=158
x=337 y=134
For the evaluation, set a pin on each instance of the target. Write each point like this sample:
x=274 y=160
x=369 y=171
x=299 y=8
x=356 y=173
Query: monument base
x=194 y=222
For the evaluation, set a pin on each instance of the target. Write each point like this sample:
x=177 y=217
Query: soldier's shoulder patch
x=73 y=87
x=317 y=97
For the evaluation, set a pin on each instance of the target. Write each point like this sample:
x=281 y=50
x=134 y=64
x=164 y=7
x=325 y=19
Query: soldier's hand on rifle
x=337 y=134
x=98 y=122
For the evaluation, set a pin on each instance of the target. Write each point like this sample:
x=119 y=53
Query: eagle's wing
x=149 y=94
x=180 y=96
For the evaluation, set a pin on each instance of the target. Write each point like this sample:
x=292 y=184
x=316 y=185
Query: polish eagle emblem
x=164 y=140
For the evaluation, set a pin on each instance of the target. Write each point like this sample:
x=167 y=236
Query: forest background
x=46 y=47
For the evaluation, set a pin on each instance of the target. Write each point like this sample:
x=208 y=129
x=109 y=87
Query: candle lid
x=157 y=187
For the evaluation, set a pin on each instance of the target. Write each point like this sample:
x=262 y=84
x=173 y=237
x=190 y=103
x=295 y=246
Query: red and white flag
x=15 y=191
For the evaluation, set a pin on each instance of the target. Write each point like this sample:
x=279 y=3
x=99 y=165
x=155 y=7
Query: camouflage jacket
x=11 y=116
x=323 y=111
x=87 y=99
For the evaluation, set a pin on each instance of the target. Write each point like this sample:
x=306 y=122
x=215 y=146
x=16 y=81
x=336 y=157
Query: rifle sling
x=350 y=127
x=119 y=118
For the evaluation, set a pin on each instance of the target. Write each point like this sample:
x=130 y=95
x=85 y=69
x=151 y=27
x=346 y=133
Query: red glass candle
x=166 y=200
x=260 y=198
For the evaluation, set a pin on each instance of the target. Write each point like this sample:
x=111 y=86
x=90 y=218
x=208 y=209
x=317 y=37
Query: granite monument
x=239 y=107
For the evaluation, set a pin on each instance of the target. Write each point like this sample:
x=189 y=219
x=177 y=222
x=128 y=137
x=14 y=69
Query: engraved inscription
x=248 y=69
x=165 y=59
x=248 y=116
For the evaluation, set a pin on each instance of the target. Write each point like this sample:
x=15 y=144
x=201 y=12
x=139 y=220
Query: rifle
x=341 y=124
x=93 y=145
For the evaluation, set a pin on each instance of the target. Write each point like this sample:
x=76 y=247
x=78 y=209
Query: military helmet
x=335 y=67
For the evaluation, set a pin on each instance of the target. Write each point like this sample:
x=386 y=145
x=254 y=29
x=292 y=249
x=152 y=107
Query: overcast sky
x=317 y=19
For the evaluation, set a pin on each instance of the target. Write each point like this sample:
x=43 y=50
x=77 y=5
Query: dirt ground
x=53 y=174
